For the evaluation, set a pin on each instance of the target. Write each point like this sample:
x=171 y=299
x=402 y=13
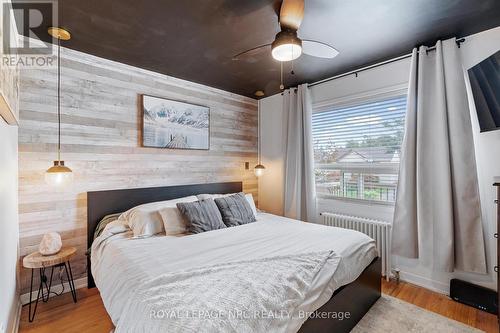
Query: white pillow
x=146 y=220
x=248 y=196
x=212 y=196
x=174 y=222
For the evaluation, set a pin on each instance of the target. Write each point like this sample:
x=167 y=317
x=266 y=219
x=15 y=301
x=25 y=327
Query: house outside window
x=357 y=148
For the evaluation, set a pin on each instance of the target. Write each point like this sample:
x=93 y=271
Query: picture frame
x=173 y=124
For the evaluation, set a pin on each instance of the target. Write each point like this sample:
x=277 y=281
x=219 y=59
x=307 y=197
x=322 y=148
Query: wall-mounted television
x=485 y=84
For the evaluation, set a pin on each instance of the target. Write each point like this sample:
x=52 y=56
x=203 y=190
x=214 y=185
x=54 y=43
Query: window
x=357 y=148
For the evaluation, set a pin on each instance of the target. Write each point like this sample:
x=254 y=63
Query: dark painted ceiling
x=195 y=40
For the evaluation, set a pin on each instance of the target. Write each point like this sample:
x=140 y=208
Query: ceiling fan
x=287 y=46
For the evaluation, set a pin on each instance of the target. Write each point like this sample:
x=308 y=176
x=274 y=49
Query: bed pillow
x=248 y=196
x=212 y=196
x=174 y=222
x=235 y=210
x=146 y=220
x=201 y=215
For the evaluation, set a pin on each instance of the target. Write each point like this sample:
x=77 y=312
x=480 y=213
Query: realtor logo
x=25 y=41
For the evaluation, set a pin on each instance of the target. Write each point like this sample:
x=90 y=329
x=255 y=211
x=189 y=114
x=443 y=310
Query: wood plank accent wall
x=101 y=126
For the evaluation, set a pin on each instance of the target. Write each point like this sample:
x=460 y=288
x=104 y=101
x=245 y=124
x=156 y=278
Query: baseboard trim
x=424 y=282
x=17 y=319
x=79 y=283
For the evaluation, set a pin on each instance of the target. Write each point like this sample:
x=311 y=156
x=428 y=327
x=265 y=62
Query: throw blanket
x=101 y=226
x=257 y=295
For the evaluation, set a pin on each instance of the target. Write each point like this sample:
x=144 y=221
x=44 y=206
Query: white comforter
x=263 y=276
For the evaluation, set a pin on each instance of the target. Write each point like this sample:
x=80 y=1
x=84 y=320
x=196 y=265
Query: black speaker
x=476 y=296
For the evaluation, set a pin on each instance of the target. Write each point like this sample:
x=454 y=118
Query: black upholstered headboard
x=102 y=203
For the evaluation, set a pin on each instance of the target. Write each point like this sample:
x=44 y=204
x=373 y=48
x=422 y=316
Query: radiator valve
x=395 y=273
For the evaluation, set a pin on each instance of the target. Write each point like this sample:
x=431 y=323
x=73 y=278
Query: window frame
x=353 y=100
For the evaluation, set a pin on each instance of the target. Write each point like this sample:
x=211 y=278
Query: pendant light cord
x=258 y=133
x=59 y=99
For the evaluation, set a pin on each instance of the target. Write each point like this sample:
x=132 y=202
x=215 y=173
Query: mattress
x=120 y=263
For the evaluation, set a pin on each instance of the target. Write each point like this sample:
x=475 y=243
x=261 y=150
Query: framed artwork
x=174 y=124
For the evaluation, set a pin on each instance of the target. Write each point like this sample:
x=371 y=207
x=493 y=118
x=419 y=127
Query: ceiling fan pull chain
x=282 y=86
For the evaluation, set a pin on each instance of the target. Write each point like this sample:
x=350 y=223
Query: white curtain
x=438 y=213
x=300 y=191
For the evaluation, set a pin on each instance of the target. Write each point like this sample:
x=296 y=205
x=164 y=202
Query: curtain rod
x=356 y=71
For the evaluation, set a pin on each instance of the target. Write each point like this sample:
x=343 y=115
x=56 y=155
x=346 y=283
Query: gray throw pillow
x=235 y=210
x=202 y=215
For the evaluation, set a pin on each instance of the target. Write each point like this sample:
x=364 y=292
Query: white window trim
x=355 y=200
x=384 y=168
x=351 y=100
x=360 y=98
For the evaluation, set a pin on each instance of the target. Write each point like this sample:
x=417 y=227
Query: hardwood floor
x=441 y=304
x=60 y=314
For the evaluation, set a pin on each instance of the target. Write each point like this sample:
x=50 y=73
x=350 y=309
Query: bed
x=333 y=274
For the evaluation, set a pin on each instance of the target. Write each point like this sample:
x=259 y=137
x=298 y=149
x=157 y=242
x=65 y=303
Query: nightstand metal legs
x=43 y=281
x=44 y=288
x=71 y=283
x=30 y=316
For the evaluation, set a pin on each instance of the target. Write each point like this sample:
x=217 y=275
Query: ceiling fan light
x=286 y=46
x=287 y=52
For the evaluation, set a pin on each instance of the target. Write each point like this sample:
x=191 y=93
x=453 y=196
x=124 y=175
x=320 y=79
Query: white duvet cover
x=260 y=277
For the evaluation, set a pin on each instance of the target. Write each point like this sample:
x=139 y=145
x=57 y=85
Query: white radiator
x=380 y=231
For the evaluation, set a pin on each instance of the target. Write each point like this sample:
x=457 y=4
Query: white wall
x=271 y=183
x=9 y=227
x=476 y=48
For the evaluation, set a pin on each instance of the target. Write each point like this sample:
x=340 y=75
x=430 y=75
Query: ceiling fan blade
x=291 y=14
x=252 y=52
x=318 y=49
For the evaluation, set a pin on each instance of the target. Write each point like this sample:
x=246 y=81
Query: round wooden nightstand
x=37 y=260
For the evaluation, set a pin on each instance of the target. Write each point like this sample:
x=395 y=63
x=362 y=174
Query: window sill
x=357 y=201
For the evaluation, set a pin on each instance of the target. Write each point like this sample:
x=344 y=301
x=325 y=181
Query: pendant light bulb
x=58 y=175
x=259 y=170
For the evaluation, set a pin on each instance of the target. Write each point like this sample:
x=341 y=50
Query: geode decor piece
x=51 y=244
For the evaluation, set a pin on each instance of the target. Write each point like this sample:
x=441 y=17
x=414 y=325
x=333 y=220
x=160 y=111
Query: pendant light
x=58 y=174
x=259 y=168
